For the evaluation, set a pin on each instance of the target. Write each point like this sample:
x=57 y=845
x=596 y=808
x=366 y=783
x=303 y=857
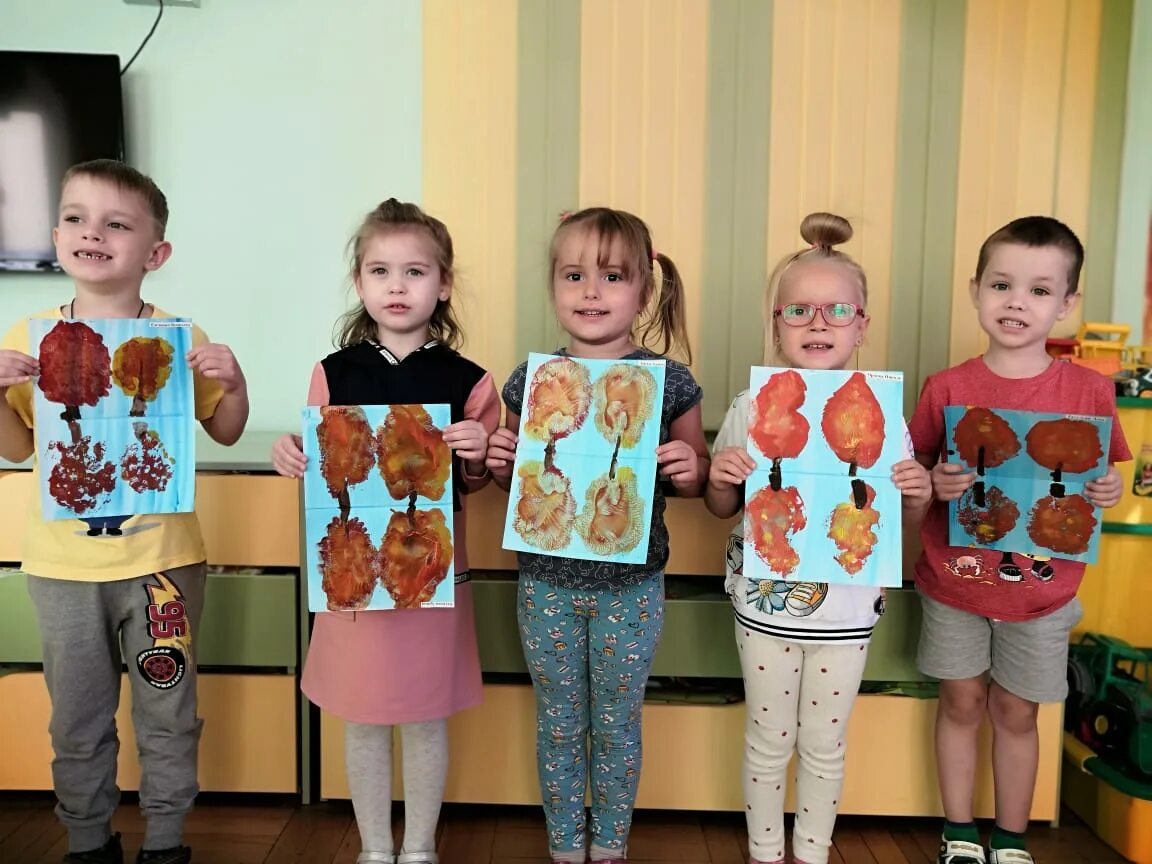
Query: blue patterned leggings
x=589 y=653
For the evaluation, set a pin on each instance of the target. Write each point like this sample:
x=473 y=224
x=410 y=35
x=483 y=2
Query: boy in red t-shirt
x=996 y=625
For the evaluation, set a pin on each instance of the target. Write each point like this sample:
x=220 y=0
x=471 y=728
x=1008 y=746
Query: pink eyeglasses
x=834 y=314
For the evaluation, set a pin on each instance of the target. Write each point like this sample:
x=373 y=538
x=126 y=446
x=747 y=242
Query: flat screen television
x=55 y=110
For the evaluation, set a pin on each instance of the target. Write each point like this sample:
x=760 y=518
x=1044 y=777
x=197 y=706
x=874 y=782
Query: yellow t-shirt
x=63 y=549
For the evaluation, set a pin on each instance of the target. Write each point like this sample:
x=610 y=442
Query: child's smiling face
x=818 y=344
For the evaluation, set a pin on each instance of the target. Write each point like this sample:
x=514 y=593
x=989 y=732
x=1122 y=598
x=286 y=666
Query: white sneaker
x=417 y=858
x=375 y=858
x=1009 y=856
x=960 y=852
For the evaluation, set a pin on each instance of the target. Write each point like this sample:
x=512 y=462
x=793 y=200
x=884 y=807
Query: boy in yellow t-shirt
x=104 y=592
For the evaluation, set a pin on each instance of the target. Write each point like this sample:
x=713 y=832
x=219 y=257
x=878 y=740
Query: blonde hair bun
x=826 y=230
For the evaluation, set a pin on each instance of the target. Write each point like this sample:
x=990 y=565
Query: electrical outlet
x=194 y=3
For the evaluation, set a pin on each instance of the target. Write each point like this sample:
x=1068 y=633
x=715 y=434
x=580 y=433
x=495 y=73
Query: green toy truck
x=1109 y=704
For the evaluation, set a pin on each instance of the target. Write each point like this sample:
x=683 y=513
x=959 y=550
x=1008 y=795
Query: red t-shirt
x=970 y=579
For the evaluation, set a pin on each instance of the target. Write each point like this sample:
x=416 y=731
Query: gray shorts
x=1027 y=658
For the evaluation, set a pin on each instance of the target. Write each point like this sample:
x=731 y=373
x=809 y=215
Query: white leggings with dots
x=799 y=697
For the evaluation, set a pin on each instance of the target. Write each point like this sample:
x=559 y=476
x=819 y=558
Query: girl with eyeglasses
x=803 y=646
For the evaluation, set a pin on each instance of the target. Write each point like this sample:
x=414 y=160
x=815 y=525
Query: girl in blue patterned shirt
x=590 y=628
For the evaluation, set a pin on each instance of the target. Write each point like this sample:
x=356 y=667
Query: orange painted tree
x=556 y=404
x=853 y=426
x=347 y=451
x=140 y=367
x=416 y=551
x=779 y=431
x=349 y=564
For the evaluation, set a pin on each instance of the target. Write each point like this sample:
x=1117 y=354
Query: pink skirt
x=395 y=666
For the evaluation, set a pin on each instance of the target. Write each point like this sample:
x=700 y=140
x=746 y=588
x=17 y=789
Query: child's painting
x=378 y=507
x=1030 y=474
x=115 y=419
x=586 y=460
x=822 y=496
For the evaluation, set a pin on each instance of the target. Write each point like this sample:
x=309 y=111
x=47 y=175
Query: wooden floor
x=245 y=830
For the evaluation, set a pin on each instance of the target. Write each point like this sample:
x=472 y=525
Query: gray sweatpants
x=89 y=631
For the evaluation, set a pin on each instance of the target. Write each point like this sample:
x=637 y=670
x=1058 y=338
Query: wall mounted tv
x=55 y=110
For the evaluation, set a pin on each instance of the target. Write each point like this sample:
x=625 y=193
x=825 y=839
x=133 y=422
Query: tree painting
x=557 y=400
x=851 y=527
x=416 y=552
x=349 y=565
x=853 y=426
x=82 y=479
x=586 y=468
x=411 y=454
x=545 y=509
x=611 y=522
x=1064 y=524
x=624 y=397
x=990 y=523
x=1064 y=445
x=557 y=403
x=771 y=517
x=1060 y=522
x=984 y=440
x=415 y=556
x=613 y=514
x=140 y=367
x=347 y=451
x=779 y=431
x=146 y=465
x=74 y=368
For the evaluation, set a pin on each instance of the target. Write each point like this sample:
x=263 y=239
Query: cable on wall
x=159 y=15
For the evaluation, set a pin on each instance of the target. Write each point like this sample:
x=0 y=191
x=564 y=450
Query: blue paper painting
x=585 y=465
x=378 y=507
x=821 y=499
x=1031 y=469
x=115 y=419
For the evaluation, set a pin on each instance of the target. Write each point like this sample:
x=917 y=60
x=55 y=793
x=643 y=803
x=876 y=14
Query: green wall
x=272 y=127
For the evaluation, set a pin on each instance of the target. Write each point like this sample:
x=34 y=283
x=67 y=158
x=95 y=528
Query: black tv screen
x=55 y=110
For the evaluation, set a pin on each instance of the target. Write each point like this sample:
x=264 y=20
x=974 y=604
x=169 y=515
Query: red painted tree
x=779 y=430
x=83 y=479
x=347 y=451
x=146 y=465
x=984 y=440
x=74 y=368
x=990 y=523
x=1064 y=445
x=853 y=426
x=1064 y=523
x=140 y=367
